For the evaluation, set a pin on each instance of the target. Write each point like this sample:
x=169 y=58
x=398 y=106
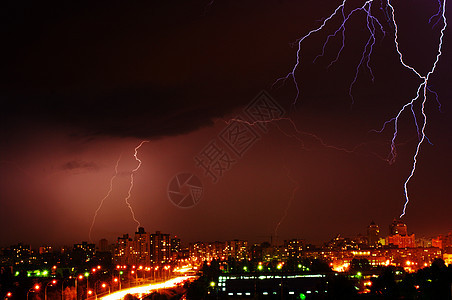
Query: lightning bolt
x=437 y=15
x=373 y=27
x=105 y=197
x=208 y=6
x=129 y=193
x=289 y=203
x=420 y=94
x=297 y=134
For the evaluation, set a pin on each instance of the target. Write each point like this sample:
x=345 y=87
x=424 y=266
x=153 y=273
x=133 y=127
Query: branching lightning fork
x=297 y=134
x=373 y=26
x=129 y=192
x=421 y=93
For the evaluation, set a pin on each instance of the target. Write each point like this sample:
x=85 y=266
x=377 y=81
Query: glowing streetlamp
x=104 y=285
x=87 y=282
x=115 y=281
x=155 y=269
x=136 y=275
x=80 y=277
x=120 y=273
x=53 y=282
x=89 y=293
x=34 y=289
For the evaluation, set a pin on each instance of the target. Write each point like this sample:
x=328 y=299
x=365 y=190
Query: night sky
x=83 y=83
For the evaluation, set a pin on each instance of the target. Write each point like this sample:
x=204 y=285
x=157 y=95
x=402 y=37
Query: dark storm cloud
x=154 y=68
x=123 y=113
x=145 y=69
x=151 y=69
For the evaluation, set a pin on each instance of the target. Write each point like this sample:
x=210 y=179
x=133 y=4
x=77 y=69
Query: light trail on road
x=147 y=289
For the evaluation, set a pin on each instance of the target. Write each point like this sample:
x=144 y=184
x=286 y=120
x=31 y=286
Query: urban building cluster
x=399 y=248
x=146 y=249
x=89 y=268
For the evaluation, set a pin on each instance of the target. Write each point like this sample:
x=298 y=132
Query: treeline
x=430 y=283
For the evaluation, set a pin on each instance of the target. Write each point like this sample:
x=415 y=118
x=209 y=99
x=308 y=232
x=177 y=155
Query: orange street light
x=104 y=285
x=35 y=289
x=53 y=282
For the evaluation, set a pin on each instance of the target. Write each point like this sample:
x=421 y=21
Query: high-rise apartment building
x=373 y=234
x=160 y=247
x=141 y=248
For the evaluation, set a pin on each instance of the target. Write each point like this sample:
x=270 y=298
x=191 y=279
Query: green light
x=86 y=274
x=121 y=272
x=359 y=275
x=302 y=296
x=279 y=267
x=45 y=272
x=38 y=273
x=17 y=273
x=260 y=267
x=212 y=283
x=245 y=268
x=299 y=266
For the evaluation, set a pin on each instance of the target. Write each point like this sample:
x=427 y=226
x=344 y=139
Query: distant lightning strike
x=373 y=25
x=104 y=198
x=289 y=203
x=129 y=193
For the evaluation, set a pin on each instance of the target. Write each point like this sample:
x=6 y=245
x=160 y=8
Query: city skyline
x=374 y=233
x=106 y=107
x=144 y=249
x=145 y=261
